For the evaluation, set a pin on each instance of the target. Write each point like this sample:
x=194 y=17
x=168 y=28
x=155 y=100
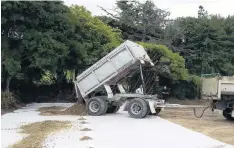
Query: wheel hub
x=94 y=106
x=136 y=108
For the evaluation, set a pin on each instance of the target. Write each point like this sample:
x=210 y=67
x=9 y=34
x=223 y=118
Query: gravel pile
x=76 y=109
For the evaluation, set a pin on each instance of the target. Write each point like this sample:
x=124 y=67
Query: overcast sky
x=176 y=7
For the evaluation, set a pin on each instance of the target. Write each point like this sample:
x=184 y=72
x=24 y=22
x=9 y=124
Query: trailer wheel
x=96 y=106
x=148 y=113
x=112 y=109
x=227 y=114
x=138 y=108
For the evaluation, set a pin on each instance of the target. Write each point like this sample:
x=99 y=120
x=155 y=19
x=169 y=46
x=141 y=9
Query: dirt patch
x=82 y=118
x=51 y=109
x=211 y=124
x=76 y=109
x=10 y=110
x=85 y=138
x=4 y=111
x=38 y=131
x=83 y=122
x=85 y=129
x=190 y=102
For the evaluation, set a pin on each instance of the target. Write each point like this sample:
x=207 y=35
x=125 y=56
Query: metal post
x=142 y=79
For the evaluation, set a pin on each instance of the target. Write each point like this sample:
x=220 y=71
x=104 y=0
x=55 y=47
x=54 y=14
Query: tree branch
x=108 y=13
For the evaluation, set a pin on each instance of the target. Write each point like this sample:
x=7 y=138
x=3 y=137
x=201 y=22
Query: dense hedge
x=183 y=85
x=177 y=63
x=9 y=100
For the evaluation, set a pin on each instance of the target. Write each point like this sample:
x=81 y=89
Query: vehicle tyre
x=96 y=106
x=149 y=112
x=138 y=108
x=227 y=114
x=112 y=109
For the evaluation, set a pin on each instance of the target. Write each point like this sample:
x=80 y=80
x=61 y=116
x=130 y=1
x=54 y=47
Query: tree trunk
x=144 y=33
x=8 y=81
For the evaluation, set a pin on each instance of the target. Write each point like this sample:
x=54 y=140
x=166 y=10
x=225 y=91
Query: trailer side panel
x=213 y=88
x=114 y=65
x=209 y=88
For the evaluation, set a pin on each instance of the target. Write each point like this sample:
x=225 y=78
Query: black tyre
x=138 y=108
x=227 y=114
x=112 y=109
x=149 y=112
x=96 y=106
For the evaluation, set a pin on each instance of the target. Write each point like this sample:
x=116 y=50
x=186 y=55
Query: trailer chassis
x=137 y=105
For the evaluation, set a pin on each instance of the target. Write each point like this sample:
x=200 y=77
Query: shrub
x=9 y=100
x=177 y=63
x=189 y=89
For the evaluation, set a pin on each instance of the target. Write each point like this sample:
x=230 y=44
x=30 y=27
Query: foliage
x=32 y=42
x=207 y=45
x=70 y=75
x=169 y=67
x=9 y=100
x=205 y=42
x=47 y=78
x=177 y=66
x=196 y=81
x=138 y=21
x=91 y=39
x=41 y=40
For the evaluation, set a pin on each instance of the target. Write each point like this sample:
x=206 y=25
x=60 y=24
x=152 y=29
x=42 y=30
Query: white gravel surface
x=109 y=131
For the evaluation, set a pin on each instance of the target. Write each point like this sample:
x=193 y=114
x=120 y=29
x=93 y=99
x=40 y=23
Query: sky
x=177 y=8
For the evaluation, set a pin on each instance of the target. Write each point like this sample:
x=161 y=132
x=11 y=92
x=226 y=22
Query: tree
x=203 y=42
x=91 y=39
x=43 y=41
x=11 y=63
x=168 y=65
x=32 y=43
x=202 y=12
x=11 y=37
x=176 y=62
x=138 y=21
x=145 y=22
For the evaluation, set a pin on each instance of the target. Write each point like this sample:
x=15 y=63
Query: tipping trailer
x=220 y=89
x=101 y=85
